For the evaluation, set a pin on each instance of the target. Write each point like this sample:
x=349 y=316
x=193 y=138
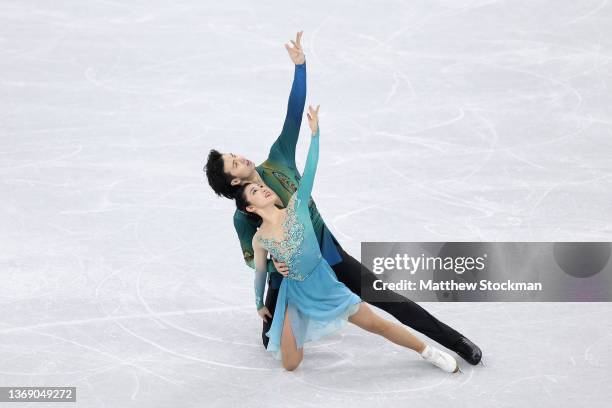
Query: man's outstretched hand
x=281 y=267
x=296 y=53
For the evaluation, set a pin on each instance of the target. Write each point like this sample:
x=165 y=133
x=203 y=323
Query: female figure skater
x=311 y=302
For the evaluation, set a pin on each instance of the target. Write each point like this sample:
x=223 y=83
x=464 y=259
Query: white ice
x=440 y=121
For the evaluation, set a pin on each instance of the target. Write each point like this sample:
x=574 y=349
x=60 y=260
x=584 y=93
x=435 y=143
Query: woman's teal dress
x=317 y=302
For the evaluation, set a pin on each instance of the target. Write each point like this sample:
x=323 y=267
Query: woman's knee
x=292 y=362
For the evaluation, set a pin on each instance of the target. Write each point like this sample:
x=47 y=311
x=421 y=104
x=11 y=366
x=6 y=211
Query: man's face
x=239 y=167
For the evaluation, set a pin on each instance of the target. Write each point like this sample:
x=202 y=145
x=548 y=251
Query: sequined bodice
x=288 y=249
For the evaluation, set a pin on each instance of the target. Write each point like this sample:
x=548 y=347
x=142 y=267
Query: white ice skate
x=440 y=359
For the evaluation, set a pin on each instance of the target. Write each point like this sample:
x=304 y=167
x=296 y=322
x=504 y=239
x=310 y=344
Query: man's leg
x=270 y=303
x=403 y=309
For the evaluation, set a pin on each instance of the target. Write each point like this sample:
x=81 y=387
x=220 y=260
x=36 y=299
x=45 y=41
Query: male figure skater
x=227 y=171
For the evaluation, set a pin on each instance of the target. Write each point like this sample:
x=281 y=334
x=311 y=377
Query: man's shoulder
x=272 y=165
x=240 y=217
x=243 y=220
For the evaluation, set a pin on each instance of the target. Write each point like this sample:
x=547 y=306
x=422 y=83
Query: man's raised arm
x=283 y=149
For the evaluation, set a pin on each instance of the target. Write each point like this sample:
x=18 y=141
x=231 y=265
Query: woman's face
x=259 y=196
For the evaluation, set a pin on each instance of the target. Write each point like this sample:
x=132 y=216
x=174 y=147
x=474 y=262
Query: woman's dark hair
x=242 y=203
x=218 y=180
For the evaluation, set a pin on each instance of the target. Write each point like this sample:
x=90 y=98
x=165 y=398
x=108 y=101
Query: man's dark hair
x=218 y=180
x=242 y=203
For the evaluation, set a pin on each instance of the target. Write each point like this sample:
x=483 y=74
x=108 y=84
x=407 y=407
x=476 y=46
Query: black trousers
x=403 y=309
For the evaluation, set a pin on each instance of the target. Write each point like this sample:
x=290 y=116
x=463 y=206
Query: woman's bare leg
x=370 y=321
x=292 y=356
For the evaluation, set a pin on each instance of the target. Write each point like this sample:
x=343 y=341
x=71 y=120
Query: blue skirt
x=317 y=306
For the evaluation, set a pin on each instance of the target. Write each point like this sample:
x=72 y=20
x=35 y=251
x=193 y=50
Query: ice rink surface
x=440 y=121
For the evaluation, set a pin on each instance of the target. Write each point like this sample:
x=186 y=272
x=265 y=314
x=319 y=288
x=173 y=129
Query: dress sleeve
x=305 y=188
x=260 y=285
x=260 y=276
x=283 y=149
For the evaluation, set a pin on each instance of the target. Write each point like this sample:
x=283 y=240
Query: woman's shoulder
x=256 y=238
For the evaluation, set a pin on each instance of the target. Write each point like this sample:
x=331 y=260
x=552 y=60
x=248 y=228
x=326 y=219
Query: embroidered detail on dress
x=288 y=250
x=285 y=181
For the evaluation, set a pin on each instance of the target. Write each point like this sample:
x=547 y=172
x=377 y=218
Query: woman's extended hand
x=313 y=118
x=296 y=53
x=263 y=312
